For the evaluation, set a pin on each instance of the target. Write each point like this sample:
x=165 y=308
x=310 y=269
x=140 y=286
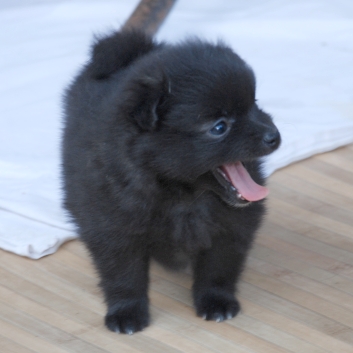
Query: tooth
x=233 y=188
x=224 y=175
x=240 y=196
x=220 y=171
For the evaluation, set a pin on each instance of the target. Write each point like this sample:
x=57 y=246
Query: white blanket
x=301 y=51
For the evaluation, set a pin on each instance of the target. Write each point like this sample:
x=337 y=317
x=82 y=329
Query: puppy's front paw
x=217 y=306
x=128 y=316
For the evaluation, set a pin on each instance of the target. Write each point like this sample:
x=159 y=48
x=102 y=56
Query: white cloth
x=301 y=52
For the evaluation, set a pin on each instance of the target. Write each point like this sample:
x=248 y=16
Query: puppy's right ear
x=145 y=94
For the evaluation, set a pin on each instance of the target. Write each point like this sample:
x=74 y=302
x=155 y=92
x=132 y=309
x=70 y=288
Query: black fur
x=139 y=162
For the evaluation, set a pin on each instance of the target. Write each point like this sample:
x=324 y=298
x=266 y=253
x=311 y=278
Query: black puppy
x=161 y=153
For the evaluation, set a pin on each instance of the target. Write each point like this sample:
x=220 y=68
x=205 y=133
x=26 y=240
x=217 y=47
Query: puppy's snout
x=272 y=139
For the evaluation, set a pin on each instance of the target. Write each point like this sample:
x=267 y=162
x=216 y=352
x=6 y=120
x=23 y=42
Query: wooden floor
x=296 y=293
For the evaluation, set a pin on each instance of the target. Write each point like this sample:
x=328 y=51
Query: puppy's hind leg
x=124 y=280
x=216 y=272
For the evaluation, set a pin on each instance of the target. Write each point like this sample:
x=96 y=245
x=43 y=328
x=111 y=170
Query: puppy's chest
x=188 y=220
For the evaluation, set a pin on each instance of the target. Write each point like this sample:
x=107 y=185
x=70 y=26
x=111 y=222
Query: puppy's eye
x=219 y=128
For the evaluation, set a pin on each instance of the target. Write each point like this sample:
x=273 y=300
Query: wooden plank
x=300 y=330
x=269 y=253
x=317 y=288
x=37 y=344
x=9 y=346
x=342 y=317
x=324 y=181
x=340 y=172
x=302 y=213
x=60 y=281
x=295 y=312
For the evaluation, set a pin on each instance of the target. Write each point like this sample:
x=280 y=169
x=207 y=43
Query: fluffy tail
x=117 y=51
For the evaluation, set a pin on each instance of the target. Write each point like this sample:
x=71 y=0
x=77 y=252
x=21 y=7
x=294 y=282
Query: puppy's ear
x=146 y=94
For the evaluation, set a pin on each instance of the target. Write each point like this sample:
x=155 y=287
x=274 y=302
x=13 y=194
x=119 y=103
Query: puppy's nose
x=272 y=139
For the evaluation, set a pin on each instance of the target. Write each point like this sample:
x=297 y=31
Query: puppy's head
x=194 y=105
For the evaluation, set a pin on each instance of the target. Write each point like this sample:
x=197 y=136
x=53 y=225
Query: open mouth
x=241 y=188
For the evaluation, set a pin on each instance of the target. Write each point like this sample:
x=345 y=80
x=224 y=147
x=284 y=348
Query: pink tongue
x=242 y=181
